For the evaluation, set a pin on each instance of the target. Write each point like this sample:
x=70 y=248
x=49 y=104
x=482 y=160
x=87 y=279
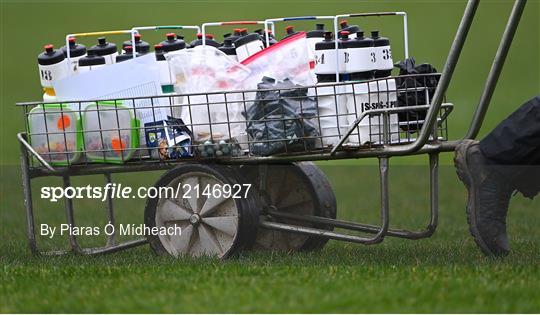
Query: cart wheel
x=212 y=223
x=299 y=188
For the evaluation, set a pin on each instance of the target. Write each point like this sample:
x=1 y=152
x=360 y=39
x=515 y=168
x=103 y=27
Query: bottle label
x=360 y=59
x=110 y=59
x=383 y=58
x=248 y=49
x=50 y=73
x=325 y=62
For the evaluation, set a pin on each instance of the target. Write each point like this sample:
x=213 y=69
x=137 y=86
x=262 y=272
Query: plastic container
x=360 y=61
x=52 y=65
x=248 y=45
x=383 y=55
x=141 y=46
x=105 y=50
x=332 y=112
x=76 y=52
x=369 y=96
x=228 y=48
x=127 y=55
x=110 y=132
x=352 y=29
x=55 y=133
x=90 y=62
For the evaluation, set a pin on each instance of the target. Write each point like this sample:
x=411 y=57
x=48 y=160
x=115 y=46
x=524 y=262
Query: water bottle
x=127 y=55
x=383 y=55
x=91 y=62
x=228 y=48
x=52 y=66
x=141 y=47
x=248 y=45
x=352 y=29
x=105 y=50
x=76 y=52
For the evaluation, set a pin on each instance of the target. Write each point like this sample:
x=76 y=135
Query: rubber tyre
x=306 y=179
x=248 y=215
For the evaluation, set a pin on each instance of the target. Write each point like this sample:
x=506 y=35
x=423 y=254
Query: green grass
x=446 y=273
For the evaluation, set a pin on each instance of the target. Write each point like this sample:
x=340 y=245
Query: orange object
x=118 y=145
x=63 y=122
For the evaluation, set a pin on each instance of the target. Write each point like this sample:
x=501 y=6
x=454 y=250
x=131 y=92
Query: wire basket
x=218 y=125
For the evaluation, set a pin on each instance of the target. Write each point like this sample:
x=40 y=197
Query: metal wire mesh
x=388 y=111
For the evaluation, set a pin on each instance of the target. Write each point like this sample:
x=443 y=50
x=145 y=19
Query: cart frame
x=421 y=145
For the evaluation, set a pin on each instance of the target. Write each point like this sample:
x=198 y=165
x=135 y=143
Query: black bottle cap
x=226 y=35
x=127 y=55
x=180 y=36
x=209 y=41
x=352 y=29
x=247 y=39
x=378 y=40
x=327 y=43
x=360 y=41
x=228 y=47
x=141 y=46
x=50 y=56
x=160 y=55
x=344 y=35
x=290 y=31
x=91 y=59
x=75 y=50
x=104 y=48
x=318 y=32
x=172 y=44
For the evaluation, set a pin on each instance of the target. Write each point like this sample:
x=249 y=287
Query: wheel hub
x=195 y=219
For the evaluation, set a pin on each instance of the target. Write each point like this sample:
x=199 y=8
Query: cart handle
x=135 y=30
x=22 y=140
x=448 y=106
x=293 y=18
x=204 y=25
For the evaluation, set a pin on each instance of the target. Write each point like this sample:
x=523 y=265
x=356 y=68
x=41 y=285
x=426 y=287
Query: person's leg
x=505 y=160
x=515 y=145
x=516 y=140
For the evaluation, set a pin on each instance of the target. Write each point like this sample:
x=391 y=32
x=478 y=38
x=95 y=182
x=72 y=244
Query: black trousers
x=515 y=145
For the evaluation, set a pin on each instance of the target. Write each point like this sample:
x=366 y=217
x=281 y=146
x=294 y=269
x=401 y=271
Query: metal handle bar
x=204 y=25
x=375 y=112
x=442 y=86
x=285 y=19
x=135 y=30
x=22 y=140
x=496 y=68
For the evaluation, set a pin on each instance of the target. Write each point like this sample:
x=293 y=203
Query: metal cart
x=221 y=225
